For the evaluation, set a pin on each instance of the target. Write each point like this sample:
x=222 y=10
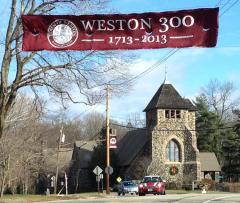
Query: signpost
x=97 y=170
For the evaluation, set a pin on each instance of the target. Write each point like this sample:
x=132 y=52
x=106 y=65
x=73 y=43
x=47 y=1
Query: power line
x=157 y=64
x=227 y=9
x=152 y=67
x=217 y=4
x=169 y=54
x=172 y=130
x=225 y=4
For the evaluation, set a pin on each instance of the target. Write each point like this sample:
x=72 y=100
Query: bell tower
x=170 y=122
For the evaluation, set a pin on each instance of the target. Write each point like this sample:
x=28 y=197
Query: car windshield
x=128 y=183
x=152 y=179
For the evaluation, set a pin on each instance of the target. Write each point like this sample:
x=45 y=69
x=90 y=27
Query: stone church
x=168 y=145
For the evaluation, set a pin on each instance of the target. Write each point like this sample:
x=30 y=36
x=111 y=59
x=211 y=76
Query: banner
x=112 y=141
x=184 y=28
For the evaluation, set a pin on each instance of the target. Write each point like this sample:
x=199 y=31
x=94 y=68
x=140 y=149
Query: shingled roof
x=130 y=145
x=84 y=150
x=209 y=161
x=167 y=97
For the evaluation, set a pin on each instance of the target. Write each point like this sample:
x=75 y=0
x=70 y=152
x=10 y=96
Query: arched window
x=173 y=151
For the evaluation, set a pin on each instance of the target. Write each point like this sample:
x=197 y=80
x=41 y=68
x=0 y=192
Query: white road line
x=181 y=37
x=218 y=198
x=92 y=40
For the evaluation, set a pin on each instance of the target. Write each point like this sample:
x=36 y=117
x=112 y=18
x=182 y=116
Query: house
x=79 y=170
x=53 y=159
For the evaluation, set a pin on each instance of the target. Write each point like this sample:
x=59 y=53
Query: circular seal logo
x=62 y=33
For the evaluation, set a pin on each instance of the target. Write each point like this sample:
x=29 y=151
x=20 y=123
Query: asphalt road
x=172 y=198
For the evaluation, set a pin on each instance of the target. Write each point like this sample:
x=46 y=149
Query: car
x=152 y=185
x=128 y=187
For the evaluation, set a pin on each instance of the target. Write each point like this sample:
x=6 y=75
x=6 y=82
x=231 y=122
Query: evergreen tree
x=231 y=167
x=215 y=135
x=231 y=149
x=208 y=125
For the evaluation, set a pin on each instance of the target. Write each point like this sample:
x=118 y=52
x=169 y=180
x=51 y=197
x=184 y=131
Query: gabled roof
x=130 y=145
x=64 y=159
x=167 y=97
x=209 y=161
x=84 y=150
x=88 y=145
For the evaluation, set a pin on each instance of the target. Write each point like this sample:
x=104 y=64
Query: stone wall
x=181 y=130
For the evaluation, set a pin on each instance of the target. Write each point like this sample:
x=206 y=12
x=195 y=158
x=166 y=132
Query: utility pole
x=58 y=150
x=107 y=139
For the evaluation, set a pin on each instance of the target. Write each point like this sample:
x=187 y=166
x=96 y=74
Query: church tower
x=170 y=122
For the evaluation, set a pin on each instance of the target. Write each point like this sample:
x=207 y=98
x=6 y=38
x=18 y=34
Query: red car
x=152 y=185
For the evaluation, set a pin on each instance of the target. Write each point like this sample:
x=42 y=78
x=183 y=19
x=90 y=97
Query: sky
x=188 y=70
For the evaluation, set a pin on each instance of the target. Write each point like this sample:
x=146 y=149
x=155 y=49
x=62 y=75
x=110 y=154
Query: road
x=172 y=198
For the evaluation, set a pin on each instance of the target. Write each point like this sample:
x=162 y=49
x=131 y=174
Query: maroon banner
x=112 y=141
x=185 y=28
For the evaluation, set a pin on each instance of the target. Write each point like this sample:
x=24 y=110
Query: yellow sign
x=119 y=179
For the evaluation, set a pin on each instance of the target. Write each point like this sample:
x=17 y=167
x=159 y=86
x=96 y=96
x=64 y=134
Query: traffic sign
x=97 y=170
x=119 y=179
x=109 y=170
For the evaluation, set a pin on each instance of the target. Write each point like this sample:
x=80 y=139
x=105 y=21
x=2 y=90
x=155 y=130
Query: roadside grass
x=172 y=191
x=28 y=198
x=38 y=198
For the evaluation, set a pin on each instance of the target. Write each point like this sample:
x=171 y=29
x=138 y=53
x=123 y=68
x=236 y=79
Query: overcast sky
x=189 y=69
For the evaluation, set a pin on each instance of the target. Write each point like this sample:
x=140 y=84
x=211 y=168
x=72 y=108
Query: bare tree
x=77 y=77
x=93 y=124
x=219 y=97
x=135 y=120
x=20 y=146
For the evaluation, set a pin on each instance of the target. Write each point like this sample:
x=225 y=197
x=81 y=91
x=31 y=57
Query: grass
x=38 y=198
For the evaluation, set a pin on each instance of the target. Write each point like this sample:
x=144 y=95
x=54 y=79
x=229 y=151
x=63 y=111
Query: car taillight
x=141 y=185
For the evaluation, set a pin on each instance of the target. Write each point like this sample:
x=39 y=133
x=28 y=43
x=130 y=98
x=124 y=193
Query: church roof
x=167 y=97
x=209 y=161
x=130 y=145
x=84 y=150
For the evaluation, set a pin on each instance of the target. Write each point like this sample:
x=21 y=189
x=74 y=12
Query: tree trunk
x=2 y=117
x=4 y=175
x=3 y=183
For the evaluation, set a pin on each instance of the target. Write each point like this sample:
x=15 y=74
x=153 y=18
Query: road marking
x=218 y=198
